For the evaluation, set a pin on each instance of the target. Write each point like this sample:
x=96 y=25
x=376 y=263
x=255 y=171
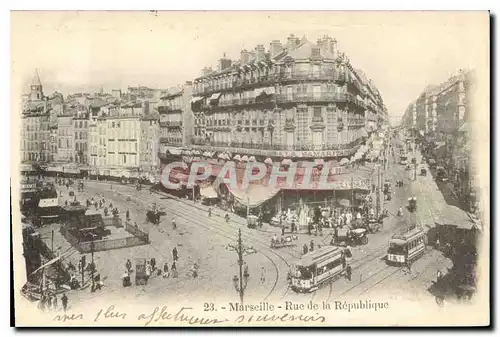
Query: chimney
x=293 y=42
x=252 y=56
x=333 y=47
x=260 y=53
x=224 y=63
x=245 y=57
x=206 y=71
x=321 y=45
x=275 y=47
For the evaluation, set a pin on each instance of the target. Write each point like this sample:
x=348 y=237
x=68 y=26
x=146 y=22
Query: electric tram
x=406 y=247
x=316 y=268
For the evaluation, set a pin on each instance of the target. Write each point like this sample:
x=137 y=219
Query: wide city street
x=205 y=241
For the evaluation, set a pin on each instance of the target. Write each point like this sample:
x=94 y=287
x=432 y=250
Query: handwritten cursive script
x=110 y=313
x=282 y=318
x=67 y=317
x=181 y=315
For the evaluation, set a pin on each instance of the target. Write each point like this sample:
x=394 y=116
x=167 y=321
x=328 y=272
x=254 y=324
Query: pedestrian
x=148 y=271
x=175 y=254
x=174 y=224
x=165 y=270
x=304 y=249
x=49 y=302
x=66 y=202
x=127 y=215
x=312 y=245
x=153 y=264
x=348 y=272
x=174 y=270
x=408 y=267
x=64 y=301
x=283 y=230
x=262 y=275
x=245 y=268
x=439 y=275
x=54 y=303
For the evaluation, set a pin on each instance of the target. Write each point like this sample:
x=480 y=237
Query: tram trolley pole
x=240 y=283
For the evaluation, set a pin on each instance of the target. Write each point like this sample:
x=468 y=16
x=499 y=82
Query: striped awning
x=196 y=99
x=267 y=91
x=215 y=96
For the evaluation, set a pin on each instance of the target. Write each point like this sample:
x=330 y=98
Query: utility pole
x=378 y=191
x=240 y=283
x=248 y=205
x=52 y=242
x=352 y=191
x=93 y=266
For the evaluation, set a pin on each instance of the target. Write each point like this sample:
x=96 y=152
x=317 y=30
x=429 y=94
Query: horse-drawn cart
x=284 y=241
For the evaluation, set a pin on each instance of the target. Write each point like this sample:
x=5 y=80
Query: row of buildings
x=91 y=131
x=296 y=100
x=441 y=117
x=443 y=108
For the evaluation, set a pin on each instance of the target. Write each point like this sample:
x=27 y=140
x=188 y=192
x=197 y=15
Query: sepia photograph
x=250 y=168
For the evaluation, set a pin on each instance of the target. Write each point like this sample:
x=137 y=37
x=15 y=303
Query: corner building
x=299 y=100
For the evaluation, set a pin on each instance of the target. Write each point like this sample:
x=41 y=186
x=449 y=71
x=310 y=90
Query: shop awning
x=267 y=91
x=196 y=99
x=454 y=216
x=215 y=96
x=208 y=192
x=255 y=195
x=54 y=169
x=174 y=151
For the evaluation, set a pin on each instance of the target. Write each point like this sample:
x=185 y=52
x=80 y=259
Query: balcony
x=171 y=140
x=322 y=97
x=169 y=109
x=355 y=122
x=339 y=77
x=171 y=124
x=318 y=123
x=269 y=149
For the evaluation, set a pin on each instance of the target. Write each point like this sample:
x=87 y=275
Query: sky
x=402 y=52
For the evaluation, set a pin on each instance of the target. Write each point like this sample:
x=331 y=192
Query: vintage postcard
x=250 y=168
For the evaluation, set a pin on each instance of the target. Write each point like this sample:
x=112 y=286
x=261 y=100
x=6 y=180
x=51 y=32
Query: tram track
x=181 y=210
x=384 y=276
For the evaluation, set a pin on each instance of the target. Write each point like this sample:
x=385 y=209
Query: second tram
x=316 y=268
x=406 y=247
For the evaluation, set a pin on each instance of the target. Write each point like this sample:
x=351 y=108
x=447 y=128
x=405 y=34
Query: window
x=318 y=139
x=289 y=138
x=315 y=70
x=317 y=112
x=317 y=91
x=289 y=92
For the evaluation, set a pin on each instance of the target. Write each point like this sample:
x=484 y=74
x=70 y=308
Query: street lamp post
x=240 y=283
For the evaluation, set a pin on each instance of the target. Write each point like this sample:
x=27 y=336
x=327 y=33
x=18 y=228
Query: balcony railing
x=318 y=119
x=171 y=124
x=272 y=78
x=169 y=109
x=171 y=140
x=322 y=97
x=282 y=147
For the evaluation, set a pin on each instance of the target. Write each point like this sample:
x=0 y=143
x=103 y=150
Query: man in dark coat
x=174 y=254
x=64 y=301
